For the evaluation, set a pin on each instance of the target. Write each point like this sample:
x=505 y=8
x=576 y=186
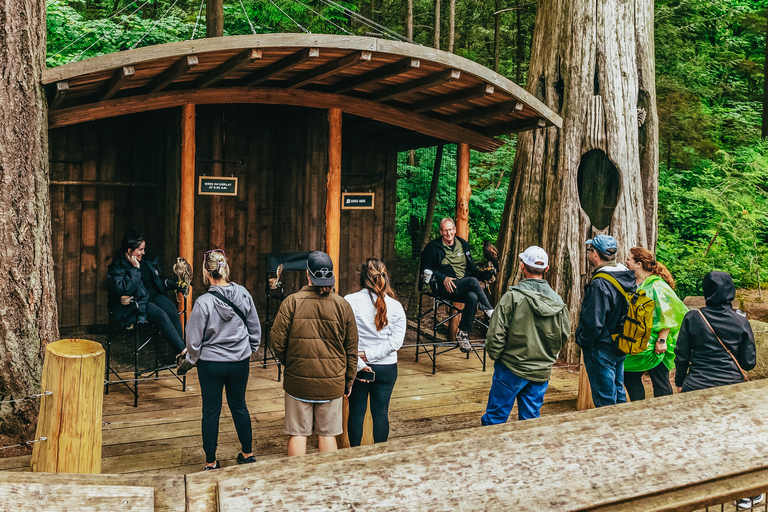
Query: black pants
x=163 y=314
x=233 y=377
x=633 y=381
x=469 y=292
x=380 y=391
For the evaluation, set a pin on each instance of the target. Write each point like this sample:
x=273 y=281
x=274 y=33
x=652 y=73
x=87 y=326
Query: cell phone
x=366 y=375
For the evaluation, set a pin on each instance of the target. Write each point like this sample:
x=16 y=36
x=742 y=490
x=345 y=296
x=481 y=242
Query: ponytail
x=649 y=263
x=374 y=278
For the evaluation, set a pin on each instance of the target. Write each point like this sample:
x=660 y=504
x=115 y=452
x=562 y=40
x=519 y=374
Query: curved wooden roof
x=421 y=89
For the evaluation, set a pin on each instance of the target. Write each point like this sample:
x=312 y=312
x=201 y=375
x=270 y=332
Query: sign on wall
x=217 y=186
x=357 y=200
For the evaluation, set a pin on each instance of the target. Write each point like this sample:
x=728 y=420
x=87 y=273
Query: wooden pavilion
x=296 y=118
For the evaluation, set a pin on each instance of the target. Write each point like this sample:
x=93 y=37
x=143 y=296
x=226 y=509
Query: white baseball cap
x=535 y=257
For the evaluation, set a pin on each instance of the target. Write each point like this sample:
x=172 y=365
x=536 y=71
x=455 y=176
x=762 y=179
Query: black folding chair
x=439 y=346
x=277 y=264
x=143 y=335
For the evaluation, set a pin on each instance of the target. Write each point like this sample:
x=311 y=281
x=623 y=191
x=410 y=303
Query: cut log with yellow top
x=70 y=417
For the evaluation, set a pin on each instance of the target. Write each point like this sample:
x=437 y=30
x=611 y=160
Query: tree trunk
x=28 y=317
x=591 y=62
x=214 y=18
x=519 y=43
x=451 y=25
x=497 y=36
x=409 y=19
x=437 y=24
x=765 y=87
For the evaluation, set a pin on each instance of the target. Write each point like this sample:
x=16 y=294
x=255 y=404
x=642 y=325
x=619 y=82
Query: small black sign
x=217 y=186
x=357 y=200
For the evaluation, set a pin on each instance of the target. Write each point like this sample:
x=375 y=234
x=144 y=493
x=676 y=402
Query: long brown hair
x=645 y=258
x=374 y=278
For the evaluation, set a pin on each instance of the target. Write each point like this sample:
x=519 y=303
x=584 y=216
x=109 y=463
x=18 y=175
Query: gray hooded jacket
x=216 y=333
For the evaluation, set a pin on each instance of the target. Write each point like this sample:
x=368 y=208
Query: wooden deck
x=162 y=435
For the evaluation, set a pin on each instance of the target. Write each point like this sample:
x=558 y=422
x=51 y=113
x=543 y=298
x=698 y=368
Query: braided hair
x=374 y=278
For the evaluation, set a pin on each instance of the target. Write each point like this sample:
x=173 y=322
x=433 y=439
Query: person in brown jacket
x=315 y=337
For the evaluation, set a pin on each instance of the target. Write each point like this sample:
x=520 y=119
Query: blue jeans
x=605 y=369
x=507 y=387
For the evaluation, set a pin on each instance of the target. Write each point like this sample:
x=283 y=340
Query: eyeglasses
x=322 y=273
x=205 y=256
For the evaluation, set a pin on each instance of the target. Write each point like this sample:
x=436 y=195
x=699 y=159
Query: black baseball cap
x=320 y=267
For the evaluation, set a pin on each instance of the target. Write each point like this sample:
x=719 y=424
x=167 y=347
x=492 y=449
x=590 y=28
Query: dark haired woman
x=654 y=279
x=138 y=291
x=222 y=333
x=381 y=330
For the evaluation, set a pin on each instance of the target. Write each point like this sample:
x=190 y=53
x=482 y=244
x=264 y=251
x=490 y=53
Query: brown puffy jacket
x=315 y=338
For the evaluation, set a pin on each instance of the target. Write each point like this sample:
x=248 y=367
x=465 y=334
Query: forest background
x=710 y=74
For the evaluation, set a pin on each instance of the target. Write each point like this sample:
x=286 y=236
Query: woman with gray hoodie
x=222 y=332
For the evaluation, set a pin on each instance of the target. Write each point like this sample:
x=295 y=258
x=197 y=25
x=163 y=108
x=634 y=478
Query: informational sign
x=217 y=186
x=357 y=200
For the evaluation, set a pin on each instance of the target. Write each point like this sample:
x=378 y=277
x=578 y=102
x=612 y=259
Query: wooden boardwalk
x=162 y=435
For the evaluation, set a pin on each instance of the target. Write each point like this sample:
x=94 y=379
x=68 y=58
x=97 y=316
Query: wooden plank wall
x=279 y=155
x=88 y=221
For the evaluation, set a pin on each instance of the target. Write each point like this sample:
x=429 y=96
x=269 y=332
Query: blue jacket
x=603 y=307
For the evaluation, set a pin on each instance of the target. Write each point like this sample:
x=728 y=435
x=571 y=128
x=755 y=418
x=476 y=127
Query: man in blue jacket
x=601 y=313
x=456 y=276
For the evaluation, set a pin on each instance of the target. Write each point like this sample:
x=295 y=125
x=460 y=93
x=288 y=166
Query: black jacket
x=701 y=362
x=125 y=279
x=603 y=308
x=433 y=254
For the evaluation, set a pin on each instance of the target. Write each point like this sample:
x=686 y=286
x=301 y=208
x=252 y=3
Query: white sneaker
x=750 y=502
x=489 y=312
x=463 y=340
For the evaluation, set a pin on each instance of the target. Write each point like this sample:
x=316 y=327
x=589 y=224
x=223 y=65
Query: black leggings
x=633 y=381
x=380 y=391
x=233 y=377
x=163 y=314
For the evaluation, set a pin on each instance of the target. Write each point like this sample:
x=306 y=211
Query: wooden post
x=214 y=18
x=70 y=417
x=463 y=193
x=584 y=398
x=187 y=188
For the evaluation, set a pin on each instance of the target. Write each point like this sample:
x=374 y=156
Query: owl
x=183 y=271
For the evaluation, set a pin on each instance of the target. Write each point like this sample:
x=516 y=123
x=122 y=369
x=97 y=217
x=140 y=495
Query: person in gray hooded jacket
x=220 y=341
x=528 y=328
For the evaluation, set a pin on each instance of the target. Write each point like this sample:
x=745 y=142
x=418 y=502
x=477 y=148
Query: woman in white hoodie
x=221 y=344
x=381 y=330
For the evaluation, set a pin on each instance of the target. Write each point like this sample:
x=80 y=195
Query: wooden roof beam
x=449 y=75
x=236 y=63
x=118 y=80
x=284 y=64
x=315 y=75
x=444 y=100
x=177 y=69
x=59 y=93
x=480 y=113
x=513 y=127
x=390 y=70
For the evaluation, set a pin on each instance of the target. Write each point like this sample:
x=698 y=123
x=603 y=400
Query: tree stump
x=70 y=417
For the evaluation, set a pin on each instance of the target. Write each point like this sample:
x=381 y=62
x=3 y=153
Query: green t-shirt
x=454 y=256
x=668 y=314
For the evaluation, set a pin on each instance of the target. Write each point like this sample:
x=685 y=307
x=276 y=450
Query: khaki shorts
x=300 y=417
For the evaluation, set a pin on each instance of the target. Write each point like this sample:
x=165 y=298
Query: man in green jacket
x=528 y=328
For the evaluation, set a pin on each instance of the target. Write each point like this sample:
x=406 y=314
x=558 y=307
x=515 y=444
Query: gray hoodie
x=216 y=333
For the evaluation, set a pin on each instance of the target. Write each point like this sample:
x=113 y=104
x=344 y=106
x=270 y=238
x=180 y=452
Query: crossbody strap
x=746 y=378
x=232 y=305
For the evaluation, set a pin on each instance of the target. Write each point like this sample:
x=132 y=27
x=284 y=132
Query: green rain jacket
x=529 y=327
x=668 y=314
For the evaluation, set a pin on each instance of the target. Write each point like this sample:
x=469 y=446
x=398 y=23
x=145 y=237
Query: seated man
x=456 y=277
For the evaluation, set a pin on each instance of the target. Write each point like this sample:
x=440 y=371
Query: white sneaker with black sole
x=750 y=502
x=463 y=340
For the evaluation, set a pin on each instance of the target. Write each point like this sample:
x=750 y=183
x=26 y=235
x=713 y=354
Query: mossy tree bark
x=28 y=317
x=592 y=63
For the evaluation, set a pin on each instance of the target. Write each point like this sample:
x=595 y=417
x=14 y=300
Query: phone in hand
x=366 y=375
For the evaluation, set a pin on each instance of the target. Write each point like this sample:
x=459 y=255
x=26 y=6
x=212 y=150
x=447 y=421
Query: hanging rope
x=108 y=19
x=370 y=23
x=247 y=17
x=326 y=19
x=197 y=21
x=25 y=443
x=30 y=397
x=102 y=36
x=286 y=15
x=154 y=24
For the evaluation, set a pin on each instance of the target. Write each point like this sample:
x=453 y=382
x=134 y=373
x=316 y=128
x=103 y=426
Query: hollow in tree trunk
x=592 y=63
x=28 y=318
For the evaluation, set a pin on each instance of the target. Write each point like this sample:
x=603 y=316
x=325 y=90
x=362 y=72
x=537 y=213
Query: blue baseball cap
x=605 y=244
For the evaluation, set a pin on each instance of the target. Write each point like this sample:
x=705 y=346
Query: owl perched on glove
x=183 y=271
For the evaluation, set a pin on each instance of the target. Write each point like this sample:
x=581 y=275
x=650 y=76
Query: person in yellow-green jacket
x=658 y=284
